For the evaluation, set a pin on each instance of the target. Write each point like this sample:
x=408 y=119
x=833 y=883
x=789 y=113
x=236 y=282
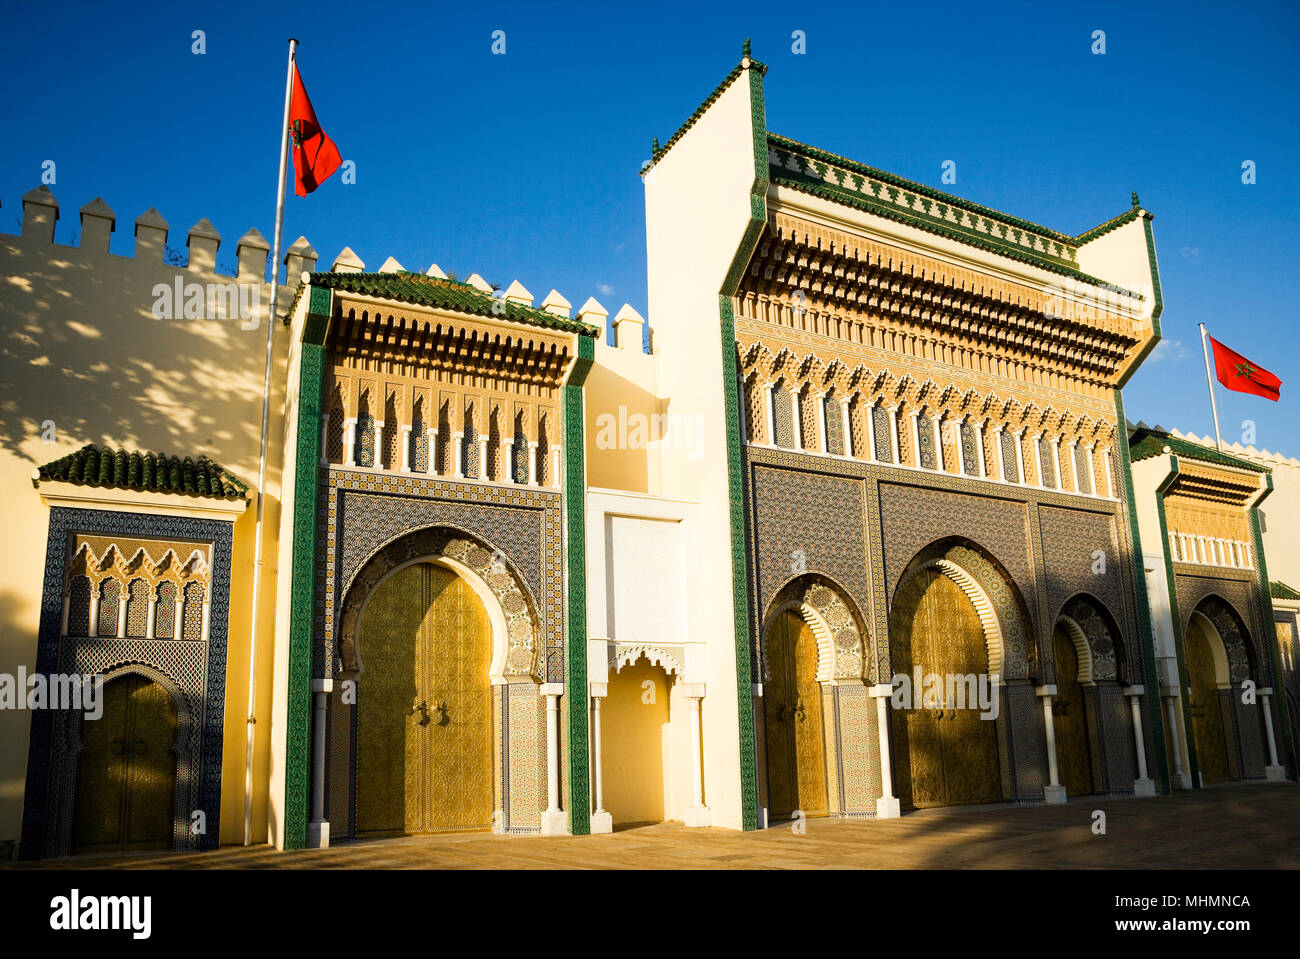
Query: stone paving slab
x=1249 y=826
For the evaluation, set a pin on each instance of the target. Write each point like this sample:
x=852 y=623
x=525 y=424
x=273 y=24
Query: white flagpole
x=261 y=469
x=1209 y=381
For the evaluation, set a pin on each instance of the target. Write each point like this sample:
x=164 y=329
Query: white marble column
x=915 y=416
x=887 y=806
x=820 y=400
x=1110 y=483
x=796 y=416
x=93 y=629
x=1181 y=779
x=848 y=431
x=349 y=442
x=121 y=609
x=318 y=828
x=1143 y=785
x=532 y=462
x=1074 y=464
x=1274 y=772
x=770 y=406
x=893 y=435
x=509 y=447
x=698 y=815
x=555 y=466
x=979 y=451
x=1019 y=437
x=1092 y=469
x=554 y=821
x=601 y=820
x=405 y=451
x=153 y=614
x=433 y=451
x=1053 y=792
x=458 y=454
x=378 y=462
x=1056 y=458
x=997 y=449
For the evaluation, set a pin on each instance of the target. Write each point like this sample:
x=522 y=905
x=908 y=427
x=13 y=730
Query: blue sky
x=525 y=165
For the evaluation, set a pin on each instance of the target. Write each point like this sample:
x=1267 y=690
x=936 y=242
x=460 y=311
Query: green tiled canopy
x=146 y=472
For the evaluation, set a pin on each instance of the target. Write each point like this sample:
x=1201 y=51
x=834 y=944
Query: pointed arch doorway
x=946 y=756
x=424 y=736
x=126 y=781
x=792 y=706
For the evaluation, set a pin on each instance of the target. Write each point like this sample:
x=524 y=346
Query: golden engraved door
x=1069 y=718
x=944 y=755
x=126 y=778
x=424 y=739
x=1207 y=716
x=792 y=708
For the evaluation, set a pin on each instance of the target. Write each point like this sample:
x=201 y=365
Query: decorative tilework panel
x=1083 y=468
x=79 y=606
x=969 y=450
x=137 y=609
x=110 y=592
x=834 y=418
x=1046 y=463
x=925 y=441
x=1071 y=539
x=365 y=439
x=880 y=426
x=783 y=416
x=1010 y=466
x=808 y=522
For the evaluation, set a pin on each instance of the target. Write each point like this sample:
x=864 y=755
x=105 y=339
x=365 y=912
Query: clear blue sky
x=525 y=165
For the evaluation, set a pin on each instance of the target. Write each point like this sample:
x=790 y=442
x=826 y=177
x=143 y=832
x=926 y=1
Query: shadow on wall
x=86 y=359
x=17 y=648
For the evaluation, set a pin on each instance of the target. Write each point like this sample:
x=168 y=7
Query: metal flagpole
x=1209 y=381
x=261 y=469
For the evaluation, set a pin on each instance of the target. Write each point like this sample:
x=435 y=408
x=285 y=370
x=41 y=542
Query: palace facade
x=516 y=577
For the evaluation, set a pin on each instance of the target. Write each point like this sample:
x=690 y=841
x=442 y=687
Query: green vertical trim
x=1142 y=608
x=575 y=533
x=302 y=600
x=1193 y=764
x=1289 y=757
x=735 y=473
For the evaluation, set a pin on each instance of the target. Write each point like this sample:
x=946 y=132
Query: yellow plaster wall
x=82 y=349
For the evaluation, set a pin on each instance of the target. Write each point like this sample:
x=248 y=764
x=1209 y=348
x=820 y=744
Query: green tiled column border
x=1142 y=604
x=1176 y=623
x=735 y=474
x=306 y=482
x=1289 y=757
x=575 y=533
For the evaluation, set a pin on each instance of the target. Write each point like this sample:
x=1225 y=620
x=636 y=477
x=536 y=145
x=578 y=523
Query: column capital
x=1135 y=690
x=598 y=690
x=880 y=690
x=693 y=690
x=552 y=689
x=1049 y=690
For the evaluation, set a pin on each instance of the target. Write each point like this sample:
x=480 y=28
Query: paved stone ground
x=1226 y=827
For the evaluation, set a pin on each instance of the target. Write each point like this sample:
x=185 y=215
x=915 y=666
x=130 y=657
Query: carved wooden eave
x=854 y=277
x=421 y=342
x=1212 y=484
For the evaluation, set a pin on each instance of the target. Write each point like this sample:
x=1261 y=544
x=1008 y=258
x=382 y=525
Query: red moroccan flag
x=1238 y=373
x=315 y=156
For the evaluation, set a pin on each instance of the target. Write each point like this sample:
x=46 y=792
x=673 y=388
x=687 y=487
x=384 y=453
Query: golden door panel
x=792 y=707
x=1070 y=718
x=424 y=746
x=456 y=649
x=386 y=738
x=127 y=770
x=1207 y=717
x=635 y=717
x=951 y=753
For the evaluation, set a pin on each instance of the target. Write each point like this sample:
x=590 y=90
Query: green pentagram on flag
x=295 y=131
x=1245 y=369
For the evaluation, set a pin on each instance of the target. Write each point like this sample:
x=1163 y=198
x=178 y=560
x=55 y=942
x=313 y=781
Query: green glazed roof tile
x=149 y=472
x=423 y=290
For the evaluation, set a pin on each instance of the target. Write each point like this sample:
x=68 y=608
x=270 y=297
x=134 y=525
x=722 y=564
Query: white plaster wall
x=697 y=208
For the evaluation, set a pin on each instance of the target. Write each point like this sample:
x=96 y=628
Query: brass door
x=424 y=738
x=1069 y=718
x=792 y=708
x=1207 y=716
x=126 y=779
x=943 y=755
